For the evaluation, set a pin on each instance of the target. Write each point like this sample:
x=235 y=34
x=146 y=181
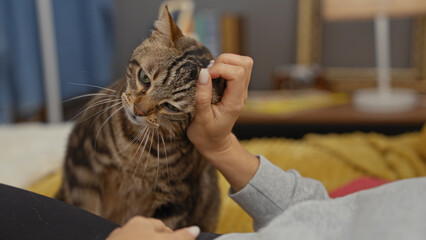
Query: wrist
x=235 y=163
x=219 y=150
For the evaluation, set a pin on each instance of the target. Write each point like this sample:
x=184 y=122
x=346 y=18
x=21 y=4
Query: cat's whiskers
x=144 y=138
x=90 y=95
x=90 y=85
x=147 y=157
x=158 y=159
x=103 y=124
x=165 y=153
x=141 y=154
x=100 y=102
x=99 y=113
x=168 y=82
x=145 y=131
x=140 y=133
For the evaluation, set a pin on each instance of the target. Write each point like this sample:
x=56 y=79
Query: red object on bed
x=359 y=184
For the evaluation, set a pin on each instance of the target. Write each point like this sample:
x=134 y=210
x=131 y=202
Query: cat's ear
x=166 y=29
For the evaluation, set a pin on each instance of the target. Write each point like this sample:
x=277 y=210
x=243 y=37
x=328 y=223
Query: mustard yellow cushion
x=333 y=159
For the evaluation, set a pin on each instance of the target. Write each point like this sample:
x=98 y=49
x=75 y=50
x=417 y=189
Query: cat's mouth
x=130 y=113
x=137 y=119
x=136 y=115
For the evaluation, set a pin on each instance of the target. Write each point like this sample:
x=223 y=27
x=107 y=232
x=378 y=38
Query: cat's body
x=128 y=153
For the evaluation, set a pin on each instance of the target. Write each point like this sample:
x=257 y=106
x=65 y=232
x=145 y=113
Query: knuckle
x=228 y=55
x=241 y=103
x=203 y=100
x=240 y=106
x=220 y=57
x=137 y=219
x=240 y=72
x=248 y=61
x=236 y=109
x=156 y=221
x=115 y=232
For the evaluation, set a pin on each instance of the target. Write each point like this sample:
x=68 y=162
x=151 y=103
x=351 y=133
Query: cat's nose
x=138 y=110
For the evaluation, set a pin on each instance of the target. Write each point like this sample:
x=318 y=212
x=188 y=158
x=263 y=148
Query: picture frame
x=309 y=52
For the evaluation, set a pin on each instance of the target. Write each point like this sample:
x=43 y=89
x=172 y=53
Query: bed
x=31 y=156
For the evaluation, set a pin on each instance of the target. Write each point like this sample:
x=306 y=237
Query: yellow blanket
x=333 y=159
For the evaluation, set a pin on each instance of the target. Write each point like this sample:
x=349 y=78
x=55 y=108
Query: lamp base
x=395 y=101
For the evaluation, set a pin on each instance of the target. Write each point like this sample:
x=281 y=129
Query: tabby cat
x=134 y=157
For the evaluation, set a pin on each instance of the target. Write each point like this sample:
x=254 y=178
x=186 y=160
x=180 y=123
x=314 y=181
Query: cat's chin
x=137 y=120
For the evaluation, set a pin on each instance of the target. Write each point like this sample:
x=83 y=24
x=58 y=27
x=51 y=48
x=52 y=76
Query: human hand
x=148 y=228
x=210 y=131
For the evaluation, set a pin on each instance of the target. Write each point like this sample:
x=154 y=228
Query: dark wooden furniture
x=342 y=118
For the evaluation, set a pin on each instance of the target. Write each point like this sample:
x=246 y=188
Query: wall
x=270 y=34
x=351 y=44
x=269 y=30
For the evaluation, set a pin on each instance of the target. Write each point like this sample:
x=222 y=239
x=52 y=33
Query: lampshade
x=338 y=10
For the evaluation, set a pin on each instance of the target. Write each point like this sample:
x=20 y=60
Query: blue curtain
x=84 y=39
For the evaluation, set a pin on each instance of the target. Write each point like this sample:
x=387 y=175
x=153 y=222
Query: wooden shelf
x=344 y=114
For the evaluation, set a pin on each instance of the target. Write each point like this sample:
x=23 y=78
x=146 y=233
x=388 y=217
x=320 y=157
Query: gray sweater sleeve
x=285 y=205
x=272 y=190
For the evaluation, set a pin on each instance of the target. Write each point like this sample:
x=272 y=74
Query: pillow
x=359 y=184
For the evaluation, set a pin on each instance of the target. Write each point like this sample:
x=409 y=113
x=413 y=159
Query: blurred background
x=293 y=45
x=337 y=91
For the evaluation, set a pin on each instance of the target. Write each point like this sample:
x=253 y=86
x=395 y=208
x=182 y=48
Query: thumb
x=203 y=95
x=189 y=233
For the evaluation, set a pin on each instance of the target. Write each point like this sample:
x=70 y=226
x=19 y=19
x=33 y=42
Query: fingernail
x=194 y=231
x=203 y=79
x=210 y=64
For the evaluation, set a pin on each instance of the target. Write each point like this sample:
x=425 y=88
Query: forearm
x=235 y=163
x=262 y=189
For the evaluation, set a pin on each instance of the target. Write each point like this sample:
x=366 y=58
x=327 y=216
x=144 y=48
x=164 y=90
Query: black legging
x=27 y=215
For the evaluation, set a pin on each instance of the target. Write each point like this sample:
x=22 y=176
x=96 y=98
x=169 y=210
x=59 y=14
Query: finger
x=231 y=73
x=189 y=233
x=226 y=71
x=236 y=86
x=168 y=230
x=236 y=60
x=159 y=225
x=203 y=94
x=137 y=220
x=234 y=97
x=242 y=61
x=114 y=233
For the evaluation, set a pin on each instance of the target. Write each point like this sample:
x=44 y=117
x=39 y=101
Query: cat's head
x=161 y=78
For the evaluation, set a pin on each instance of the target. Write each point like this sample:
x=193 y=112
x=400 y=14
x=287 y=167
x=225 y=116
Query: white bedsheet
x=29 y=152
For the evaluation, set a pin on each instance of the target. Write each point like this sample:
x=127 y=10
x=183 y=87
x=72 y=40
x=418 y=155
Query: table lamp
x=384 y=98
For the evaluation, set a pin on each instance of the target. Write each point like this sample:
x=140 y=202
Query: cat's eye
x=170 y=107
x=144 y=79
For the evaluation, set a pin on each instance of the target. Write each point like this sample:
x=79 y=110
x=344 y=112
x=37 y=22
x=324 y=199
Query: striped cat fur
x=128 y=153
